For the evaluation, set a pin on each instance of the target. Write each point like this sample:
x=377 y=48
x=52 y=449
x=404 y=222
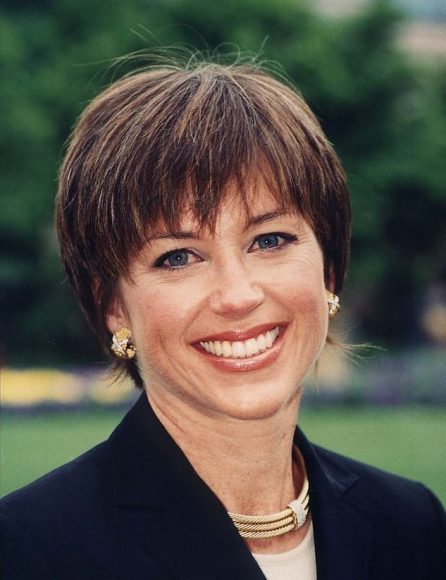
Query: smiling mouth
x=242 y=348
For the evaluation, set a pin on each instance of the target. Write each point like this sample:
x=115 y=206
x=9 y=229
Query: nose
x=236 y=291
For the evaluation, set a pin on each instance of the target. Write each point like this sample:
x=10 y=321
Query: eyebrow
x=256 y=220
x=252 y=221
x=177 y=235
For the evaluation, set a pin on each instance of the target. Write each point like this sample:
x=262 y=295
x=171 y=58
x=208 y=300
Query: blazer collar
x=189 y=529
x=342 y=529
x=182 y=523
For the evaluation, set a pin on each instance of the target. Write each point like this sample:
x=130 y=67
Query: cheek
x=158 y=316
x=302 y=288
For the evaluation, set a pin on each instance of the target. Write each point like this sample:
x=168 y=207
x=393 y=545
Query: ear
x=331 y=282
x=116 y=316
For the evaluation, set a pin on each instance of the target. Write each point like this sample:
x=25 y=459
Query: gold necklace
x=291 y=518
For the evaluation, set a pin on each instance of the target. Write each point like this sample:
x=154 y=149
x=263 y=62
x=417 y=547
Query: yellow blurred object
x=106 y=390
x=29 y=387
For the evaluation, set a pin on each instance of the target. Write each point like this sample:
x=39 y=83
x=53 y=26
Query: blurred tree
x=55 y=55
x=385 y=117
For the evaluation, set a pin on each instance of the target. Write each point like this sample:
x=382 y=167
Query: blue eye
x=175 y=259
x=268 y=241
x=274 y=241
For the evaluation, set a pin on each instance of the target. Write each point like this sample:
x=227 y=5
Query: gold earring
x=121 y=345
x=333 y=304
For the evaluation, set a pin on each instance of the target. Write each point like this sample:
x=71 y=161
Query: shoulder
x=369 y=518
x=39 y=521
x=81 y=477
x=383 y=494
x=57 y=501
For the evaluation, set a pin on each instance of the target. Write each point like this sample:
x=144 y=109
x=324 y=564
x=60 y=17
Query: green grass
x=410 y=442
x=407 y=441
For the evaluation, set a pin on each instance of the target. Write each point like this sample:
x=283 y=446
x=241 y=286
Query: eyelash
x=287 y=239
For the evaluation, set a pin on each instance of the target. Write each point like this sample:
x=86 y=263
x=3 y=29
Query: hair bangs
x=216 y=140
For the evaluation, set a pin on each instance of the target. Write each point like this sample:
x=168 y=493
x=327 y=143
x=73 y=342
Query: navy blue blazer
x=133 y=508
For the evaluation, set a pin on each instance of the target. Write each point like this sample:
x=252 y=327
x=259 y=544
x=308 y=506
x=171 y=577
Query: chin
x=247 y=406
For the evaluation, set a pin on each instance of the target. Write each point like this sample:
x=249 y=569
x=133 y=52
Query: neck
x=247 y=463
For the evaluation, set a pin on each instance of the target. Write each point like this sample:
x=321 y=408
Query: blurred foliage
x=385 y=115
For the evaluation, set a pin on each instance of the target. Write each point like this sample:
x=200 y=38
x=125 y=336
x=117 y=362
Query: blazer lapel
x=342 y=531
x=169 y=509
x=171 y=514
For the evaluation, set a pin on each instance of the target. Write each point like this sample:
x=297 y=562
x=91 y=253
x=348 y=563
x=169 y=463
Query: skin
x=243 y=416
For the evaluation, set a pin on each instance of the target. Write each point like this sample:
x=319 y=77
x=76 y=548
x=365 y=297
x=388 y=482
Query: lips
x=240 y=335
x=242 y=349
x=236 y=362
x=241 y=344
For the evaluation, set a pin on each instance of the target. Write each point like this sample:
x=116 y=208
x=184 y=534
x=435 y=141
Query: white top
x=296 y=564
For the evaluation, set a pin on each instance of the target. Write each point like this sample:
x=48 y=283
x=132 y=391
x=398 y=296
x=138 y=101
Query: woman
x=204 y=224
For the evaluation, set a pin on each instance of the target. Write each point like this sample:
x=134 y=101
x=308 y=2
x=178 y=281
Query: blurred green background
x=409 y=442
x=381 y=97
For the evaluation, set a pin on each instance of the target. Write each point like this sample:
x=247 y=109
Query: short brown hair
x=158 y=139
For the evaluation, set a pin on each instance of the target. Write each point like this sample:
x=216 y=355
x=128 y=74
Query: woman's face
x=228 y=323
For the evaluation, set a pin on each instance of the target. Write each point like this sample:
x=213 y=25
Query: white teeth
x=242 y=349
x=226 y=348
x=269 y=339
x=238 y=350
x=251 y=347
x=261 y=340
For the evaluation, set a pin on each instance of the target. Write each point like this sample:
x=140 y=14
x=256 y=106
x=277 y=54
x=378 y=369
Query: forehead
x=237 y=209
